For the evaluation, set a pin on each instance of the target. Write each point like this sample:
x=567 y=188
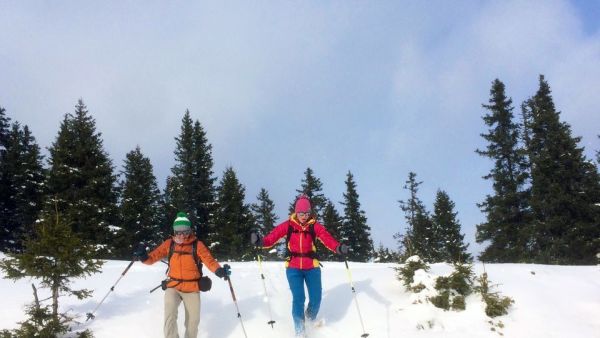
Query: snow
x=550 y=301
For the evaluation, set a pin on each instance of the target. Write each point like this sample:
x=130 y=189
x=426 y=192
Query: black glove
x=342 y=249
x=140 y=253
x=255 y=239
x=223 y=272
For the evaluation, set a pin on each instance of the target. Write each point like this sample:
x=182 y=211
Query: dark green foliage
x=506 y=209
x=139 y=207
x=598 y=154
x=406 y=273
x=420 y=238
x=453 y=289
x=458 y=303
x=53 y=255
x=190 y=188
x=233 y=220
x=81 y=180
x=312 y=187
x=565 y=189
x=496 y=305
x=332 y=221
x=355 y=231
x=263 y=212
x=451 y=242
x=265 y=219
x=442 y=300
x=4 y=125
x=21 y=187
x=385 y=255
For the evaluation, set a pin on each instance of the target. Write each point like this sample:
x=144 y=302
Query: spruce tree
x=332 y=221
x=22 y=181
x=233 y=219
x=506 y=209
x=81 y=180
x=312 y=187
x=454 y=250
x=598 y=154
x=565 y=189
x=54 y=255
x=385 y=255
x=355 y=231
x=420 y=238
x=190 y=188
x=265 y=218
x=6 y=205
x=139 y=209
x=4 y=129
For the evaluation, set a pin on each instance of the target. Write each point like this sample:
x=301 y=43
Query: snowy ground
x=550 y=301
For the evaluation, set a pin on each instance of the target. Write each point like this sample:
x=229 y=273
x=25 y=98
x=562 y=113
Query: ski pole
x=262 y=276
x=365 y=334
x=227 y=267
x=90 y=315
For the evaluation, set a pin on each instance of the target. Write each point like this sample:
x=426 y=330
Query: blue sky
x=376 y=88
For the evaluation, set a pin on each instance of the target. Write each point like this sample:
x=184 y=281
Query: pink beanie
x=302 y=204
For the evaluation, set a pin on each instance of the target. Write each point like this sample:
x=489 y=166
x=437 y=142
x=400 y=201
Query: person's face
x=303 y=216
x=181 y=235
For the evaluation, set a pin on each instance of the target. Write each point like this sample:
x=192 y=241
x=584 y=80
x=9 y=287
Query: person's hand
x=140 y=253
x=255 y=239
x=223 y=272
x=342 y=249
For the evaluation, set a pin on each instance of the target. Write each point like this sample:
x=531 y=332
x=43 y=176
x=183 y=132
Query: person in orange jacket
x=184 y=276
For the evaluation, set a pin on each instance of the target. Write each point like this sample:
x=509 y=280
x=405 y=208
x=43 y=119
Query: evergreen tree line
x=545 y=205
x=114 y=212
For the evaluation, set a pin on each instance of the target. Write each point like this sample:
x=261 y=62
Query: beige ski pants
x=191 y=303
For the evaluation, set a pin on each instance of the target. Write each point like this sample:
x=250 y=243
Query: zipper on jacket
x=301 y=260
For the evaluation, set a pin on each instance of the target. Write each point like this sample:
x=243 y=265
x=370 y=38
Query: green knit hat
x=182 y=222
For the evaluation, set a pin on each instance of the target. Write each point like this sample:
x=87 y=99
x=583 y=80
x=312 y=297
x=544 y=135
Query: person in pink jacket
x=302 y=266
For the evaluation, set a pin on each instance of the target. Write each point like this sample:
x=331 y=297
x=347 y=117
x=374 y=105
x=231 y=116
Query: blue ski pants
x=297 y=278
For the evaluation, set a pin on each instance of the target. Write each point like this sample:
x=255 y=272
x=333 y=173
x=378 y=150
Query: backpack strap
x=194 y=254
x=313 y=236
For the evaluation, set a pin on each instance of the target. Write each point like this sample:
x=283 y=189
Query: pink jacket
x=301 y=245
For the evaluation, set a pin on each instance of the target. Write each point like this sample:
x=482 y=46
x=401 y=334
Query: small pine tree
x=312 y=187
x=234 y=221
x=453 y=248
x=191 y=185
x=332 y=222
x=21 y=183
x=265 y=219
x=496 y=305
x=82 y=182
x=384 y=255
x=406 y=273
x=54 y=255
x=139 y=208
x=420 y=238
x=355 y=231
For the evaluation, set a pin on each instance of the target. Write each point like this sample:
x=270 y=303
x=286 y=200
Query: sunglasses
x=302 y=214
x=183 y=233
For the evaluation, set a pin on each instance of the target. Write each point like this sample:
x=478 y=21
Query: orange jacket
x=183 y=266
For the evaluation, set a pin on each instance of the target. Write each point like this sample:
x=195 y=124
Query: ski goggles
x=183 y=233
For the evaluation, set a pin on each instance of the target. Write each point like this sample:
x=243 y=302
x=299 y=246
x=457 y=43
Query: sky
x=378 y=89
x=549 y=301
